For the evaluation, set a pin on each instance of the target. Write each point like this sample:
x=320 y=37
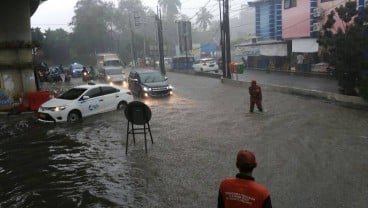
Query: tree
x=346 y=46
x=170 y=7
x=135 y=28
x=56 y=46
x=204 y=18
x=170 y=10
x=92 y=29
x=37 y=35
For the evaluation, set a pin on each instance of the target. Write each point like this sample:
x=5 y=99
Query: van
x=110 y=68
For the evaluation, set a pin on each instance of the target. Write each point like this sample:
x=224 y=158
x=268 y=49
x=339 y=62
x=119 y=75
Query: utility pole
x=132 y=51
x=226 y=25
x=186 y=45
x=160 y=41
x=223 y=68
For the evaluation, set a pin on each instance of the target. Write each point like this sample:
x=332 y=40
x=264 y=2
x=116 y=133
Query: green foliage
x=135 y=28
x=204 y=18
x=100 y=26
x=92 y=31
x=56 y=46
x=170 y=7
x=37 y=35
x=346 y=47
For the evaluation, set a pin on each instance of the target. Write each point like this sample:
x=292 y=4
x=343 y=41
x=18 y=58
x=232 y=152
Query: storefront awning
x=308 y=45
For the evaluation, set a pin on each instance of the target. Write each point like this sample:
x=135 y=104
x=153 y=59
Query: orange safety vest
x=255 y=93
x=242 y=193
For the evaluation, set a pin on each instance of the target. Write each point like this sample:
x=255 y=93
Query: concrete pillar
x=16 y=73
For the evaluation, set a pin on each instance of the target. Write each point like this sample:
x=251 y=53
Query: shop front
x=263 y=55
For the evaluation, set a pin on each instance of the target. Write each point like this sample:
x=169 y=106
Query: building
x=294 y=24
x=267 y=49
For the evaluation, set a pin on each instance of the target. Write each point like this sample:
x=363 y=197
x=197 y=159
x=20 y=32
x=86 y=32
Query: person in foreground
x=255 y=93
x=243 y=191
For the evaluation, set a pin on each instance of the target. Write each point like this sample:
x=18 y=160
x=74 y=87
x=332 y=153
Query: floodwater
x=310 y=153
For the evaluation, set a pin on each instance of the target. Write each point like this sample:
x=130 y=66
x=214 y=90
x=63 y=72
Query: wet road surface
x=310 y=153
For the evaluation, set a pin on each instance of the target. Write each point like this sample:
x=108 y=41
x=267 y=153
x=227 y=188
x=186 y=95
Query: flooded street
x=311 y=153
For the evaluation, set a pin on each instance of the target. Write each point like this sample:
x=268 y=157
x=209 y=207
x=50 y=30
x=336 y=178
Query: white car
x=82 y=101
x=206 y=65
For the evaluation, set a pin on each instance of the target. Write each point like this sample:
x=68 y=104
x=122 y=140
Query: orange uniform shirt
x=242 y=193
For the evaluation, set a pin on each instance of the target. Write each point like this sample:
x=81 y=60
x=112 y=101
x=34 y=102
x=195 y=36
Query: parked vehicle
x=110 y=68
x=43 y=75
x=182 y=62
x=148 y=83
x=82 y=101
x=206 y=65
x=167 y=63
x=55 y=75
x=75 y=70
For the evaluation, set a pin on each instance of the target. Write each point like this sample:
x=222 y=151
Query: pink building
x=287 y=31
x=296 y=20
x=301 y=22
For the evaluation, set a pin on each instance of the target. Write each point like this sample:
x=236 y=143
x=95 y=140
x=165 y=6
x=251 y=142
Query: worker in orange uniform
x=255 y=93
x=243 y=191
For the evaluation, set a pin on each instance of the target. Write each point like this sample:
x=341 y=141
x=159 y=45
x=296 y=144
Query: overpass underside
x=16 y=63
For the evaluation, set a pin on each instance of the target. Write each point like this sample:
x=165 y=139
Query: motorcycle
x=86 y=76
x=68 y=77
x=54 y=76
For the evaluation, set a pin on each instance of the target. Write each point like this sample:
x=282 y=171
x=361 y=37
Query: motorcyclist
x=93 y=72
x=68 y=76
x=85 y=74
x=61 y=68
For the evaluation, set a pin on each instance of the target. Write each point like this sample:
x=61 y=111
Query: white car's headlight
x=108 y=77
x=169 y=87
x=59 y=108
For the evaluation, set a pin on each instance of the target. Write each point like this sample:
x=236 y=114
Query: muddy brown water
x=311 y=153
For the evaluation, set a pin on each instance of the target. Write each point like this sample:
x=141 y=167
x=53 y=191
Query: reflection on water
x=67 y=165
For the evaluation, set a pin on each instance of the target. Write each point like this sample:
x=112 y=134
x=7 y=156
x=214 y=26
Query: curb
x=11 y=113
x=204 y=74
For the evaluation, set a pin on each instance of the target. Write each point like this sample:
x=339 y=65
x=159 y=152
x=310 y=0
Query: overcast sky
x=55 y=14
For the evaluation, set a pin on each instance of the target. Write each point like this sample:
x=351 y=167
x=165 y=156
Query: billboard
x=185 y=36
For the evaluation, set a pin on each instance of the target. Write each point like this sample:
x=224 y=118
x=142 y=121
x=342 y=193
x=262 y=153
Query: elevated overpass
x=16 y=72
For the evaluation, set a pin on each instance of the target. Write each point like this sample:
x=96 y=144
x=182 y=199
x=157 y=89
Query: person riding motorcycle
x=93 y=73
x=85 y=74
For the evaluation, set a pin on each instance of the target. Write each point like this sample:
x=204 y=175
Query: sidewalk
x=289 y=79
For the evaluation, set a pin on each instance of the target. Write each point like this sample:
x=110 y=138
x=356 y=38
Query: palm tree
x=170 y=7
x=204 y=18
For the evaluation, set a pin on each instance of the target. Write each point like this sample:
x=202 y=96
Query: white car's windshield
x=72 y=94
x=152 y=77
